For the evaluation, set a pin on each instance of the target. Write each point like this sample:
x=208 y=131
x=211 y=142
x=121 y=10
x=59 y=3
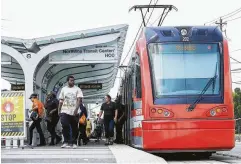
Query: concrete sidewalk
x=92 y=153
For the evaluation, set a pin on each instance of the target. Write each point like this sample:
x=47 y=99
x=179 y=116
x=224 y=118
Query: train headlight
x=218 y=110
x=212 y=112
x=224 y=110
x=184 y=32
x=166 y=114
x=159 y=111
x=153 y=110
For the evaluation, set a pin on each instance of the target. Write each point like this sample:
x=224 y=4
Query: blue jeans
x=109 y=127
x=69 y=128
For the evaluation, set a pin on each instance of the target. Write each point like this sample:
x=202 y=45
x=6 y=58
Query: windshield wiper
x=214 y=80
x=210 y=81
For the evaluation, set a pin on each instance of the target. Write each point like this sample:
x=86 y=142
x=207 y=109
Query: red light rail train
x=177 y=91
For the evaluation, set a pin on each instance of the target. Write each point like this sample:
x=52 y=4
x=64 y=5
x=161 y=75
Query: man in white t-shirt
x=70 y=99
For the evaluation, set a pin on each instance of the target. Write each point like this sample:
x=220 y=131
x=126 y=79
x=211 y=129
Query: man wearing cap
x=37 y=108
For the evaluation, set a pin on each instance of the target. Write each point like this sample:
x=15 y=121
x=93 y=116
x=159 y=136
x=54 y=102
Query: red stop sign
x=8 y=107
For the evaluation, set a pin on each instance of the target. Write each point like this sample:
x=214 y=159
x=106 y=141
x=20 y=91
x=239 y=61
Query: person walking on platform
x=82 y=125
x=70 y=99
x=98 y=128
x=51 y=104
x=120 y=122
x=88 y=128
x=110 y=116
x=36 y=115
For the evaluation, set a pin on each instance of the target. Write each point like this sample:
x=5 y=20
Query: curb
x=126 y=154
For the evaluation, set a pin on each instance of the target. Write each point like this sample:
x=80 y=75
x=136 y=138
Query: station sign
x=90 y=86
x=106 y=53
x=17 y=87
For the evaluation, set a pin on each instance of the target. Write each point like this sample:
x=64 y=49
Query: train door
x=124 y=98
x=128 y=107
x=137 y=99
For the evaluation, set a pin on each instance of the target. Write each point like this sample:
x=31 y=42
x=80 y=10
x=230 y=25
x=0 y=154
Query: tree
x=237 y=106
x=237 y=102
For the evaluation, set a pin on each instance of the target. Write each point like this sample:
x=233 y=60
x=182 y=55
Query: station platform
x=91 y=153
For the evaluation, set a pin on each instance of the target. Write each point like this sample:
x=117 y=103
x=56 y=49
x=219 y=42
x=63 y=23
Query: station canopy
x=91 y=56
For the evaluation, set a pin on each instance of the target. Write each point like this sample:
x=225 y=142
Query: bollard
x=8 y=143
x=15 y=143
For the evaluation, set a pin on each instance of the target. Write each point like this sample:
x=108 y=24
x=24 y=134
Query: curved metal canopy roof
x=50 y=76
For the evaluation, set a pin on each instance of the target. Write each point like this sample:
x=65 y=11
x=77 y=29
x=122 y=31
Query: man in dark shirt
x=51 y=104
x=82 y=127
x=110 y=116
x=120 y=122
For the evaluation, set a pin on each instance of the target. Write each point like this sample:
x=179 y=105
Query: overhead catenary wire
x=164 y=17
x=236 y=82
x=235 y=60
x=151 y=12
x=224 y=16
x=233 y=19
x=237 y=69
x=156 y=19
x=223 y=19
x=238 y=72
x=135 y=37
x=159 y=18
x=235 y=50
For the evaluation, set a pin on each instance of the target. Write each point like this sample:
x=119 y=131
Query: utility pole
x=221 y=23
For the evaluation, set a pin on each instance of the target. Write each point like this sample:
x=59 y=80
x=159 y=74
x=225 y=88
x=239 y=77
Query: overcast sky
x=37 y=18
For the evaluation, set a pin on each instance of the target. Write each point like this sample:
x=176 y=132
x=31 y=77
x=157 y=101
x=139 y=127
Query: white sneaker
x=75 y=146
x=65 y=145
x=111 y=141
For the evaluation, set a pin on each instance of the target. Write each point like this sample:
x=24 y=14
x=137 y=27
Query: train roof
x=188 y=33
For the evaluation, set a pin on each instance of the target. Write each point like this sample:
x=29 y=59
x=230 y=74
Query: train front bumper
x=188 y=135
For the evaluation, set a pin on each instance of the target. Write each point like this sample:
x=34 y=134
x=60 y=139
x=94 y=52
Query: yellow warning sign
x=12 y=114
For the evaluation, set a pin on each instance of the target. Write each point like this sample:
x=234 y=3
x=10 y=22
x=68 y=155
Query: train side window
x=138 y=77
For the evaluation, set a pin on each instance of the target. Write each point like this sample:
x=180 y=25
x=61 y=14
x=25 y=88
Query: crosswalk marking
x=48 y=155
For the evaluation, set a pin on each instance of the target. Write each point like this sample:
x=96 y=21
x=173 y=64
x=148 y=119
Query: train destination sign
x=17 y=87
x=90 y=86
x=185 y=47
